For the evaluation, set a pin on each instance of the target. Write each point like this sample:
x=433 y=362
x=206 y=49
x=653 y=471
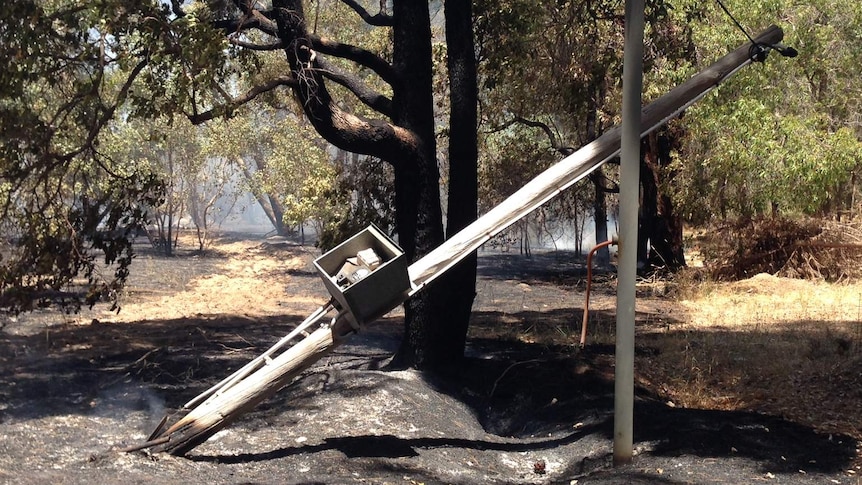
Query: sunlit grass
x=782 y=346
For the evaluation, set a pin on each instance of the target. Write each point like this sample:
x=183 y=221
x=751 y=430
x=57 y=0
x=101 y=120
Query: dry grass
x=768 y=344
x=782 y=346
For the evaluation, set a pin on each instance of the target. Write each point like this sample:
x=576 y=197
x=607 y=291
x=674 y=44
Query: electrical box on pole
x=366 y=275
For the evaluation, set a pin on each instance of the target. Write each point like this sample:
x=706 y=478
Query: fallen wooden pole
x=262 y=359
x=232 y=397
x=578 y=165
x=220 y=410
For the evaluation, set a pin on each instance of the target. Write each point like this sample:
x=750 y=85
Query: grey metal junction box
x=366 y=288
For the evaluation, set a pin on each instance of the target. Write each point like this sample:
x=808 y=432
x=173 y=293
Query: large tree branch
x=356 y=54
x=254 y=19
x=251 y=19
x=380 y=19
x=272 y=46
x=344 y=130
x=368 y=96
x=177 y=9
x=233 y=104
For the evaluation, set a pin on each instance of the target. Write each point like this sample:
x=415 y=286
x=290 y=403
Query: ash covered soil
x=77 y=389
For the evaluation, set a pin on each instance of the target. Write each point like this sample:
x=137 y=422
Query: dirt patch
x=528 y=407
x=246 y=277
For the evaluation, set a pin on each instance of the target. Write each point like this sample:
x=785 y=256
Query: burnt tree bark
x=660 y=241
x=436 y=327
x=463 y=168
x=435 y=320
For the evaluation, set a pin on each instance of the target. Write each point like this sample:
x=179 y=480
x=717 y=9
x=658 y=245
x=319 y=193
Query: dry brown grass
x=784 y=346
x=768 y=344
x=776 y=345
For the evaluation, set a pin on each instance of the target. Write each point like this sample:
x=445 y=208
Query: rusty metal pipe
x=609 y=242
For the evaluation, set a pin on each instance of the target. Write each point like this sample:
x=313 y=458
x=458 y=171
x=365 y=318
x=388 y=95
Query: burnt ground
x=73 y=392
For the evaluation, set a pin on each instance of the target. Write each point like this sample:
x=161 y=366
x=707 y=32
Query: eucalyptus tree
x=401 y=132
x=282 y=162
x=170 y=149
x=782 y=138
x=397 y=125
x=214 y=189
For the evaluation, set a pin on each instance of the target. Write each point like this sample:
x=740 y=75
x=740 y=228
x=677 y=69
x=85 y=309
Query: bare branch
x=177 y=8
x=235 y=103
x=552 y=138
x=608 y=186
x=380 y=19
x=274 y=46
x=555 y=144
x=253 y=19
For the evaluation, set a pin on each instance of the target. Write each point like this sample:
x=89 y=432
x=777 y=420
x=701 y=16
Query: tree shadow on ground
x=536 y=396
x=535 y=390
x=389 y=446
x=554 y=267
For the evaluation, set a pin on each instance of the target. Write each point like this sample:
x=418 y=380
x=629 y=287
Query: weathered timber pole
x=221 y=410
x=229 y=403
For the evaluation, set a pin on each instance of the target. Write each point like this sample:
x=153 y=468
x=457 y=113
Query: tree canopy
x=73 y=67
x=783 y=137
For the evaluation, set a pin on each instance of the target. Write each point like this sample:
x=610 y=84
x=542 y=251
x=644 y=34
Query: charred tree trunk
x=658 y=222
x=648 y=209
x=600 y=215
x=418 y=212
x=600 y=208
x=407 y=142
x=458 y=286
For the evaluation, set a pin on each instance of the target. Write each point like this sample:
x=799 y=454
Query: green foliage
x=282 y=157
x=779 y=136
x=363 y=195
x=172 y=149
x=782 y=136
x=68 y=68
x=80 y=227
x=512 y=158
x=551 y=83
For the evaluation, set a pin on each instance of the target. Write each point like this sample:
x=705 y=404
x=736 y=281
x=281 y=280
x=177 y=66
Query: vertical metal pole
x=627 y=262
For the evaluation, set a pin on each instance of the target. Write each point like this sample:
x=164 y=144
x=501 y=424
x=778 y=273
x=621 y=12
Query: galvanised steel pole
x=627 y=261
